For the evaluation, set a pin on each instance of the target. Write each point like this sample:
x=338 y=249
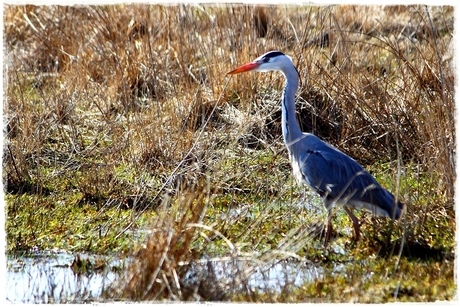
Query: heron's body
x=336 y=177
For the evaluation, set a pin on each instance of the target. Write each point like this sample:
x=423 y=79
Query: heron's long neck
x=291 y=128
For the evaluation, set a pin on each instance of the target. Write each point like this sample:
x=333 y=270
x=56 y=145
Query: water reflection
x=283 y=274
x=50 y=279
x=229 y=276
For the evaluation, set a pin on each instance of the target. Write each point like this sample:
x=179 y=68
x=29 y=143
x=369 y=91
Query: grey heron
x=335 y=176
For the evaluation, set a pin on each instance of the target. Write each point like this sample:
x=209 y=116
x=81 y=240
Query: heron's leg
x=354 y=219
x=328 y=229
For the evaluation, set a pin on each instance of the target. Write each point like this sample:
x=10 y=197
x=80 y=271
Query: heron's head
x=273 y=60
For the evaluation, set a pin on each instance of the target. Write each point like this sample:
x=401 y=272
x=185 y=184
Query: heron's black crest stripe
x=272 y=54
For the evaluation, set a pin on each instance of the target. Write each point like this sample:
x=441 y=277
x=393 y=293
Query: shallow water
x=43 y=279
x=50 y=278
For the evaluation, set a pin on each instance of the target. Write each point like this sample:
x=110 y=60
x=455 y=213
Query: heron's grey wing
x=336 y=176
x=330 y=172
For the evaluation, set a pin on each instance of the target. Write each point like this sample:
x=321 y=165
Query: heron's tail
x=383 y=203
x=392 y=209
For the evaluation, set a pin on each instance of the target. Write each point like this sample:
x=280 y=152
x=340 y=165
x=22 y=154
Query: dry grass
x=156 y=273
x=126 y=105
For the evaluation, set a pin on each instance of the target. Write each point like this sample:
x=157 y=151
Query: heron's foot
x=328 y=233
x=355 y=222
x=322 y=232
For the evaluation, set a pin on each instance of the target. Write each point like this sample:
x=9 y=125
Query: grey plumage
x=336 y=177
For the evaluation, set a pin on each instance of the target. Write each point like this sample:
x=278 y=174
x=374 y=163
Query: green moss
x=55 y=223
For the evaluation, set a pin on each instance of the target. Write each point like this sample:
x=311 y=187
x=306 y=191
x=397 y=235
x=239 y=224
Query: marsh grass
x=120 y=119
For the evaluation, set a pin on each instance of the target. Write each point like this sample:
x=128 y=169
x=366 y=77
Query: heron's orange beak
x=245 y=67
